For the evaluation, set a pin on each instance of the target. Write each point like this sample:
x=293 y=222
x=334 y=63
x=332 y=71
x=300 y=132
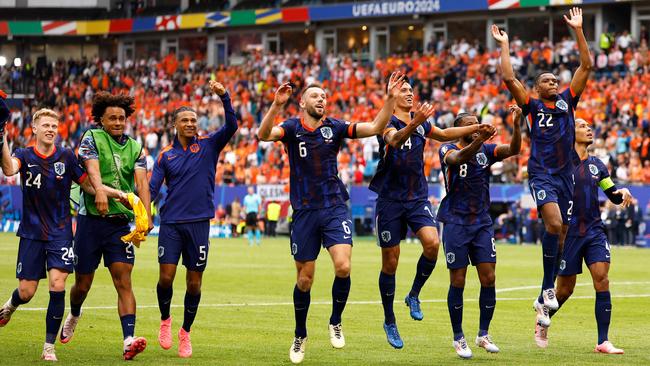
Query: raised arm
x=268 y=132
x=396 y=138
x=10 y=165
x=225 y=133
x=452 y=133
x=506 y=151
x=580 y=77
x=457 y=157
x=378 y=125
x=516 y=88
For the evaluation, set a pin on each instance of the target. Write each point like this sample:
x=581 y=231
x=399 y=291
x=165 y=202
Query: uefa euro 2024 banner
x=392 y=8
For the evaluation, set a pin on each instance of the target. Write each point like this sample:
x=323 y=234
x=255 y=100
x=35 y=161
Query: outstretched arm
x=378 y=125
x=268 y=132
x=506 y=151
x=516 y=88
x=457 y=157
x=580 y=77
x=225 y=133
x=396 y=138
x=452 y=133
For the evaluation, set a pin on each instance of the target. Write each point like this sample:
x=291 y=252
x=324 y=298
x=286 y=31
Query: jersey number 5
x=544 y=120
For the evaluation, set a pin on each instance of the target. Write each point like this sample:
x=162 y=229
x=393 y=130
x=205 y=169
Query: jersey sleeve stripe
x=351 y=130
x=573 y=93
x=17 y=161
x=83 y=178
x=164 y=150
x=281 y=132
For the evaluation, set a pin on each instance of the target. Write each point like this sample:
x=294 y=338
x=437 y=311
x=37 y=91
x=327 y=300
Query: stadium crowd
x=455 y=76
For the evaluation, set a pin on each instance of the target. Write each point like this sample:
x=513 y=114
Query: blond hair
x=44 y=112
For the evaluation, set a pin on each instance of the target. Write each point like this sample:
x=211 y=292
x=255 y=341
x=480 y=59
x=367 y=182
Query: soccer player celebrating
x=550 y=168
x=586 y=239
x=187 y=167
x=467 y=232
x=403 y=200
x=47 y=172
x=318 y=196
x=116 y=160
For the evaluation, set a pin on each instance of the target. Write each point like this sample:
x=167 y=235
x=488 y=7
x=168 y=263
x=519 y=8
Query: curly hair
x=103 y=100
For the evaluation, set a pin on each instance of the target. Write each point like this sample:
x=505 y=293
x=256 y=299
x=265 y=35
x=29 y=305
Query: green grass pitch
x=246 y=316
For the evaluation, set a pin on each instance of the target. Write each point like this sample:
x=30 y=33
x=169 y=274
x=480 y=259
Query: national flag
x=217 y=19
x=189 y=21
x=167 y=22
x=502 y=4
x=121 y=26
x=268 y=16
x=51 y=27
x=290 y=15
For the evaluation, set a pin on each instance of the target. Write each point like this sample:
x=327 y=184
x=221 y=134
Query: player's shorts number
x=130 y=254
x=68 y=255
x=346 y=228
x=494 y=246
x=545 y=120
x=29 y=182
x=202 y=253
x=569 y=211
x=302 y=150
x=463 y=170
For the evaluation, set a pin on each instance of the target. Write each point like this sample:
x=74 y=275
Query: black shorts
x=251 y=219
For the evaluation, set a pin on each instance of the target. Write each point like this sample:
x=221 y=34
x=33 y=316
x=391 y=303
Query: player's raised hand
x=422 y=112
x=499 y=35
x=395 y=83
x=217 y=87
x=575 y=19
x=485 y=132
x=282 y=94
x=516 y=112
x=627 y=196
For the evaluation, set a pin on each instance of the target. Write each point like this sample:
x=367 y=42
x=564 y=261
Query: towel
x=141 y=222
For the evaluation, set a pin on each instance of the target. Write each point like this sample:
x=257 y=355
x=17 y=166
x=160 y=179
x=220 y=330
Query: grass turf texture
x=246 y=315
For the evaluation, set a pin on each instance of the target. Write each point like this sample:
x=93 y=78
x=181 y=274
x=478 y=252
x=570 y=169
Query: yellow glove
x=141 y=222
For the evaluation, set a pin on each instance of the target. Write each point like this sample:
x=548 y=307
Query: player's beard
x=312 y=112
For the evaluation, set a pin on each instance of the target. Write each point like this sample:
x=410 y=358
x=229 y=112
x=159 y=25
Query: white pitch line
x=370 y=302
x=510 y=289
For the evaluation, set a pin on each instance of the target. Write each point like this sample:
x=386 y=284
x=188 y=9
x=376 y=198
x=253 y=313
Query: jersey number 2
x=544 y=120
x=33 y=182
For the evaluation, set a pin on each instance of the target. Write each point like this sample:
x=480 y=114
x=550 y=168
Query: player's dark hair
x=103 y=100
x=460 y=116
x=180 y=110
x=538 y=76
x=312 y=85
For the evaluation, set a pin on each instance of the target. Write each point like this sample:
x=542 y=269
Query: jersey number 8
x=463 y=170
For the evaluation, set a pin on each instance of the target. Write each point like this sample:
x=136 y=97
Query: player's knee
x=389 y=267
x=601 y=283
x=122 y=283
x=194 y=286
x=488 y=279
x=553 y=225
x=457 y=280
x=342 y=269
x=165 y=280
x=430 y=250
x=57 y=285
x=26 y=293
x=305 y=281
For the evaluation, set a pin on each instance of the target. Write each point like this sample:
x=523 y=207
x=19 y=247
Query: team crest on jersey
x=385 y=236
x=326 y=132
x=562 y=265
x=593 y=169
x=420 y=130
x=19 y=267
x=194 y=148
x=444 y=150
x=294 y=248
x=482 y=159
x=59 y=168
x=561 y=104
x=161 y=252
x=451 y=258
x=541 y=195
